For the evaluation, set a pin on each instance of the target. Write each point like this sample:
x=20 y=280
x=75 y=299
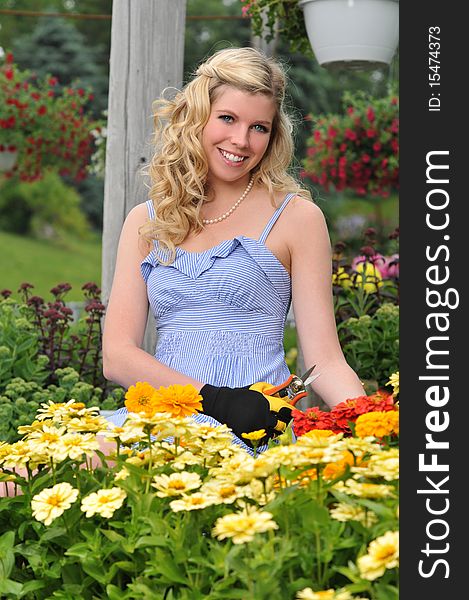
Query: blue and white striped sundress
x=221 y=313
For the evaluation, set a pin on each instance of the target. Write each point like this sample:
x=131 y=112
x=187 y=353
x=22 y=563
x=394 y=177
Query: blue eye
x=260 y=128
x=226 y=118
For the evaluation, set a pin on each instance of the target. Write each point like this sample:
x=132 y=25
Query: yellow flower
x=122 y=474
x=341 y=278
x=223 y=492
x=318 y=434
x=179 y=400
x=254 y=436
x=74 y=445
x=368 y=277
x=348 y=512
x=364 y=490
x=383 y=553
x=394 y=382
x=139 y=398
x=193 y=502
x=87 y=423
x=103 y=502
x=378 y=423
x=242 y=527
x=308 y=594
x=52 y=502
x=382 y=464
x=176 y=483
x=18 y=455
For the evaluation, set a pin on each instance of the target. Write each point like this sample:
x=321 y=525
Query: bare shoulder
x=130 y=234
x=138 y=214
x=304 y=218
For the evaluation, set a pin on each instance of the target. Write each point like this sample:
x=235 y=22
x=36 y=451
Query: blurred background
x=58 y=212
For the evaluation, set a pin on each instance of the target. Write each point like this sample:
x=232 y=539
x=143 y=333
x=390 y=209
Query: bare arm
x=313 y=306
x=124 y=361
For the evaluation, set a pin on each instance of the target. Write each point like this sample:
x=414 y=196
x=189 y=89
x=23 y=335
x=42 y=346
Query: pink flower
x=378 y=260
x=390 y=269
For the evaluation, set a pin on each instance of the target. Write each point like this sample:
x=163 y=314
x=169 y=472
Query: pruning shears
x=294 y=388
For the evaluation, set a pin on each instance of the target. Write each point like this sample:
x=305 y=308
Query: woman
x=225 y=242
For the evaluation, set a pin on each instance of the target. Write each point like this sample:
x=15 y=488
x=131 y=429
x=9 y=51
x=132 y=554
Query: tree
x=203 y=37
x=56 y=47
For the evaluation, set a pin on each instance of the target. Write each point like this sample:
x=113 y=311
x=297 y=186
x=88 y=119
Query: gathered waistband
x=215 y=342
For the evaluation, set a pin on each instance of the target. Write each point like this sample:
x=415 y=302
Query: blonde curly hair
x=178 y=170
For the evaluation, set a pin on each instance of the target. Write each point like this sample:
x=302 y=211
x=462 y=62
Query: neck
x=226 y=190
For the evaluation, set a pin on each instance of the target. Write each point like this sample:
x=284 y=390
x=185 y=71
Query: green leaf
x=52 y=533
x=314 y=515
x=7 y=557
x=170 y=571
x=96 y=570
x=9 y=586
x=113 y=536
x=114 y=593
x=32 y=586
x=152 y=540
x=384 y=591
x=80 y=550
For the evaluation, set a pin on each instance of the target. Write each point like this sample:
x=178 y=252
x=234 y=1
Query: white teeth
x=232 y=157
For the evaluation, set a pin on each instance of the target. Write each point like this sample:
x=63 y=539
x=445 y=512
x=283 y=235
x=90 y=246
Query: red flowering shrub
x=45 y=127
x=357 y=150
x=339 y=418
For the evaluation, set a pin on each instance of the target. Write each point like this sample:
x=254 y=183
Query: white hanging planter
x=352 y=33
x=7 y=160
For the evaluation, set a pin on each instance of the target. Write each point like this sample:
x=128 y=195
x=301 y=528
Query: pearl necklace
x=233 y=208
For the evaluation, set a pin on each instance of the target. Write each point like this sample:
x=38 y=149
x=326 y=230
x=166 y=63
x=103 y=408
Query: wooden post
x=259 y=42
x=147 y=51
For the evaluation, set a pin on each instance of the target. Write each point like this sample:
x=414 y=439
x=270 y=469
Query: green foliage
x=56 y=46
x=19 y=343
x=205 y=36
x=279 y=17
x=20 y=399
x=44 y=356
x=47 y=208
x=371 y=343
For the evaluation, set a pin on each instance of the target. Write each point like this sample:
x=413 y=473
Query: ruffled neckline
x=193 y=264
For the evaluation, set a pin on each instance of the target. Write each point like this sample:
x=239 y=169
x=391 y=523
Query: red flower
x=312 y=418
x=9 y=74
x=370 y=114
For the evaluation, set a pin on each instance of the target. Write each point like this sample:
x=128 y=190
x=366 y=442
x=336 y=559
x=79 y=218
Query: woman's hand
x=244 y=410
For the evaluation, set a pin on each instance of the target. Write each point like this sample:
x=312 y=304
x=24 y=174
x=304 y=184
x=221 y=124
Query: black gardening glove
x=242 y=409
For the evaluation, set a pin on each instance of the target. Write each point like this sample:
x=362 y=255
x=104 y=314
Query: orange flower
x=139 y=398
x=337 y=468
x=378 y=424
x=179 y=400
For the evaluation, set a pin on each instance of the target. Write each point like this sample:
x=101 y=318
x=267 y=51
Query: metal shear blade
x=307 y=378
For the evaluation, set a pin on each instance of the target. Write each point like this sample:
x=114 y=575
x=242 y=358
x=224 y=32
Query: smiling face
x=237 y=133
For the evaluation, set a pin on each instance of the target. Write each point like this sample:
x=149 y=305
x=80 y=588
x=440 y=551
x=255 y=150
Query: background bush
x=47 y=209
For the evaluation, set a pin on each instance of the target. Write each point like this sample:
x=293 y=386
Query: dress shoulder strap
x=151 y=209
x=274 y=217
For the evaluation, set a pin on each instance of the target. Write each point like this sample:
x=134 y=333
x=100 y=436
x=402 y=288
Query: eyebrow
x=228 y=111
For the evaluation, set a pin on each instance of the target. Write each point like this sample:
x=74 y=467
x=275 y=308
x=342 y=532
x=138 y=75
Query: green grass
x=44 y=264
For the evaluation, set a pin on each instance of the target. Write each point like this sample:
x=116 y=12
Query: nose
x=240 y=137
